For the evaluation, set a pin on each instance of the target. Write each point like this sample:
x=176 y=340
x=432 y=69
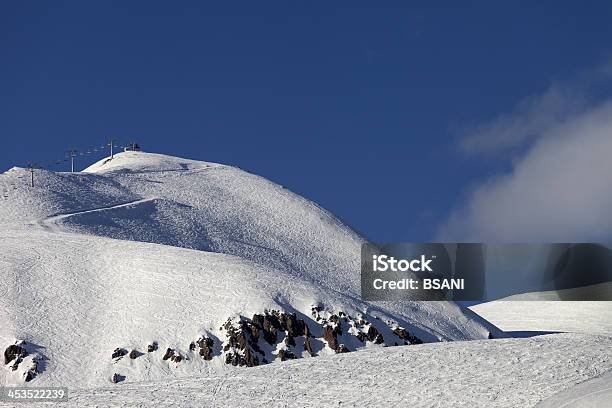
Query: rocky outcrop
x=32 y=370
x=308 y=346
x=278 y=335
x=241 y=343
x=329 y=334
x=172 y=355
x=374 y=336
x=116 y=378
x=14 y=352
x=285 y=354
x=342 y=349
x=406 y=336
x=206 y=347
x=118 y=353
x=168 y=354
x=242 y=346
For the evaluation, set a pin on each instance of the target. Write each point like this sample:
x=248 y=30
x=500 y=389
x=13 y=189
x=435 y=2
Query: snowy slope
x=498 y=373
x=148 y=250
x=594 y=317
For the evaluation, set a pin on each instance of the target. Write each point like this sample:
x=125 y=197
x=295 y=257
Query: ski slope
x=498 y=373
x=514 y=315
x=150 y=250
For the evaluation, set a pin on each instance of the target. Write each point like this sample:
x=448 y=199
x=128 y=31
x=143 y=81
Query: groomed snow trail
x=52 y=222
x=594 y=393
x=500 y=373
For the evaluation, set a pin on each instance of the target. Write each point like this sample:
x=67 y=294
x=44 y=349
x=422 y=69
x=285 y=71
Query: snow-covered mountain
x=147 y=266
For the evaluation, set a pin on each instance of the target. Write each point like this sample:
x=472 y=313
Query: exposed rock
x=119 y=352
x=32 y=371
x=28 y=376
x=258 y=320
x=135 y=354
x=254 y=330
x=152 y=347
x=270 y=327
x=291 y=324
x=15 y=364
x=405 y=335
x=330 y=337
x=241 y=343
x=289 y=341
x=241 y=339
x=242 y=347
x=490 y=336
x=117 y=378
x=285 y=355
x=169 y=354
x=308 y=347
x=206 y=347
x=401 y=333
x=14 y=351
x=374 y=335
x=172 y=355
x=342 y=349
x=250 y=360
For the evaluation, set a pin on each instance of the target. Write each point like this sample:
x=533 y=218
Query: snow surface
x=496 y=373
x=594 y=393
x=523 y=317
x=148 y=247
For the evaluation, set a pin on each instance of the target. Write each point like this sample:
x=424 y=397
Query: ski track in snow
x=51 y=223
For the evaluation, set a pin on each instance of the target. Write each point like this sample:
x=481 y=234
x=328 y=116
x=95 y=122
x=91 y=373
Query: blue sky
x=362 y=109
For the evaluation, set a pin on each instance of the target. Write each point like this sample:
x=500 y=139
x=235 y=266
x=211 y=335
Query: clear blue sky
x=356 y=107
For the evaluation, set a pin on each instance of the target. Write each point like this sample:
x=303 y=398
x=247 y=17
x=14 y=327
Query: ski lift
x=133 y=146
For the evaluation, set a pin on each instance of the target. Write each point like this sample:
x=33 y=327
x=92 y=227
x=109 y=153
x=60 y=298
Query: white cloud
x=559 y=190
x=532 y=117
